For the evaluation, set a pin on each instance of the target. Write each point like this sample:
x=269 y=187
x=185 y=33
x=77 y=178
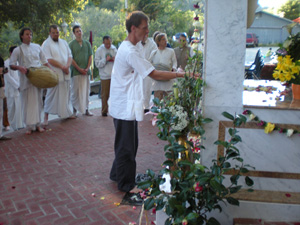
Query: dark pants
x=126 y=143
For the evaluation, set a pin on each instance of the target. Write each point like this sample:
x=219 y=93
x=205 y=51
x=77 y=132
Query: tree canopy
x=291 y=9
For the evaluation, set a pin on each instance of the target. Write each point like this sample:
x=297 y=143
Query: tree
x=38 y=14
x=291 y=9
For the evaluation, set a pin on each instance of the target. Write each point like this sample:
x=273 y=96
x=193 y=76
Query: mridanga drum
x=42 y=77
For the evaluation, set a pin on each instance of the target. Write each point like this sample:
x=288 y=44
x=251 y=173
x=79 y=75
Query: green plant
x=195 y=189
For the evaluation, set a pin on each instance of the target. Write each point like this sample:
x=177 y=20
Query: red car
x=251 y=40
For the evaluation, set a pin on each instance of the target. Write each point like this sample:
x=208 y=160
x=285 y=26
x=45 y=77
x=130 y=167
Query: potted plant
x=288 y=67
x=195 y=189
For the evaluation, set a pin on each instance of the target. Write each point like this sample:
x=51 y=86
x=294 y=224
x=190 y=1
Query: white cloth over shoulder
x=59 y=51
x=126 y=90
x=28 y=56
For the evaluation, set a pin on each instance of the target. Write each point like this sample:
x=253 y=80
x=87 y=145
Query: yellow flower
x=269 y=128
x=281 y=77
x=288 y=76
x=276 y=74
x=279 y=59
x=295 y=69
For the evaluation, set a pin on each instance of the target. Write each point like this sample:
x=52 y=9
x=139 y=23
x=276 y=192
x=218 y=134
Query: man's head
x=182 y=40
x=25 y=35
x=54 y=32
x=77 y=32
x=136 y=19
x=107 y=42
x=11 y=49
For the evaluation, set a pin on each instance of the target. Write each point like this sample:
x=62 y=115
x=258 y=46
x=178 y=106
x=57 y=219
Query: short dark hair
x=135 y=19
x=106 y=37
x=53 y=26
x=75 y=27
x=22 y=32
x=12 y=48
x=183 y=35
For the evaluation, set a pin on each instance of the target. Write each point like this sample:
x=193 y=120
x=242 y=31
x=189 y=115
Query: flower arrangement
x=288 y=67
x=287 y=70
x=195 y=190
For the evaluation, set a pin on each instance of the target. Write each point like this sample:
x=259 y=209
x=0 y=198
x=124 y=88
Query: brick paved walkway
x=50 y=178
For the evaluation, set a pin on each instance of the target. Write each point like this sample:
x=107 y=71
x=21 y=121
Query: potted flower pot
x=296 y=91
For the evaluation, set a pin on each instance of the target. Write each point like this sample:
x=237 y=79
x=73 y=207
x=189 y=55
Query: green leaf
x=149 y=203
x=168 y=163
x=150 y=173
x=228 y=116
x=145 y=184
x=192 y=216
x=184 y=163
x=249 y=181
x=233 y=201
x=226 y=165
x=234 y=178
x=244 y=170
x=207 y=120
x=177 y=174
x=235 y=189
x=223 y=143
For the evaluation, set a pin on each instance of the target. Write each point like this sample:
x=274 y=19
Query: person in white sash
x=25 y=56
x=12 y=93
x=59 y=56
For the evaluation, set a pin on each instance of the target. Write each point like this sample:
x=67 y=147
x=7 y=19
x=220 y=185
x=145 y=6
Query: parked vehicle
x=252 y=40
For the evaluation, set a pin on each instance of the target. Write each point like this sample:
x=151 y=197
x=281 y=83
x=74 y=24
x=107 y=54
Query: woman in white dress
x=163 y=59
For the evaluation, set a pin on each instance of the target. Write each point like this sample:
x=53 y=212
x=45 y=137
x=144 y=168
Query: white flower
x=252 y=116
x=289 y=132
x=182 y=121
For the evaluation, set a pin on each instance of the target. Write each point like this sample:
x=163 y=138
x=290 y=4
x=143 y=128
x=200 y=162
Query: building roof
x=260 y=10
x=297 y=20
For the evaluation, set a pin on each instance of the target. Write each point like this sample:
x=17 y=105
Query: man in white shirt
x=104 y=60
x=59 y=56
x=12 y=93
x=23 y=57
x=126 y=102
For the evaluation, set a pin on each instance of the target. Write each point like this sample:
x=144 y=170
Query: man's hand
x=65 y=70
x=22 y=69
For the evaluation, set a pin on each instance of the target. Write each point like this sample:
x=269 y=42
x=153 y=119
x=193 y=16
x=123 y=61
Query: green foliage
x=195 y=189
x=291 y=9
x=9 y=37
x=38 y=14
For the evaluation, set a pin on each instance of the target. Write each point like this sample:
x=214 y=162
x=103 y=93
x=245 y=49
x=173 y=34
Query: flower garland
x=269 y=127
x=267 y=89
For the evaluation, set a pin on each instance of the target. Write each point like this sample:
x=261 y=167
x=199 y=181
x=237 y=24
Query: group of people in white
x=72 y=61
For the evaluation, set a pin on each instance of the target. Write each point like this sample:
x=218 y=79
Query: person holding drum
x=23 y=57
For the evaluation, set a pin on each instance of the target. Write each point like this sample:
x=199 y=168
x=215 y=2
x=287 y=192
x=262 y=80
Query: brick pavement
x=49 y=178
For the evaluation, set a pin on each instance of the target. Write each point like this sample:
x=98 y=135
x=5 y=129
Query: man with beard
x=59 y=56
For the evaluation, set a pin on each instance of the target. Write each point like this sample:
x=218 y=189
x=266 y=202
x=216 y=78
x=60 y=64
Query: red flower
x=196 y=18
x=246 y=112
x=196 y=6
x=288 y=195
x=154 y=210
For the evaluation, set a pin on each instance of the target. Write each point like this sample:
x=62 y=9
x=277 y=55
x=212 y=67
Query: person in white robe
x=12 y=93
x=163 y=59
x=148 y=47
x=59 y=56
x=23 y=57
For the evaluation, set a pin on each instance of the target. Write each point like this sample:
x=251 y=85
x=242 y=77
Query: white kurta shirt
x=12 y=82
x=105 y=67
x=29 y=56
x=126 y=90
